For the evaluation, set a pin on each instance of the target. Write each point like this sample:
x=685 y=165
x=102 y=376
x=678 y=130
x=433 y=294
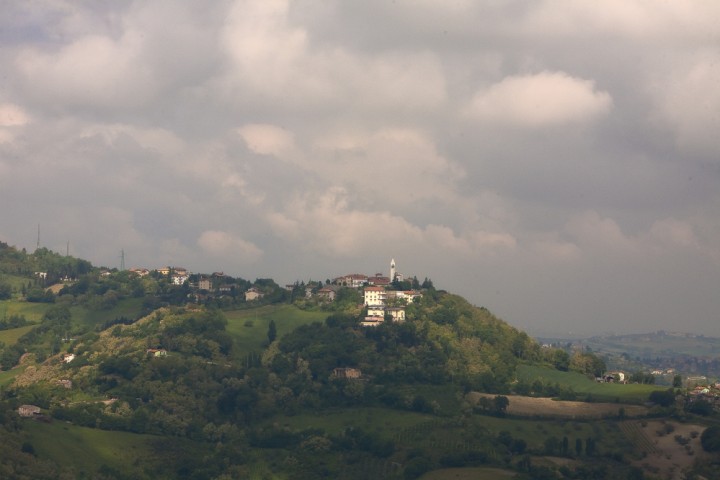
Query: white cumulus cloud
x=546 y=98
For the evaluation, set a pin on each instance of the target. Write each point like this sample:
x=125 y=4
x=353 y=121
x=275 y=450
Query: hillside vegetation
x=156 y=380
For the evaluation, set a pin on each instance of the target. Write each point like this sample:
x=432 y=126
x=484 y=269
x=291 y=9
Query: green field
x=584 y=386
x=33 y=312
x=251 y=338
x=10 y=337
x=415 y=430
x=129 y=308
x=335 y=421
x=88 y=449
x=14 y=281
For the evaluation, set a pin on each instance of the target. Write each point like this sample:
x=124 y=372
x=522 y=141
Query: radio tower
x=122 y=260
x=38 y=240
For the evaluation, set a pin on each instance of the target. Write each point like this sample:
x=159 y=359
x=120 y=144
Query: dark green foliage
x=272 y=331
x=417 y=467
x=13 y=321
x=500 y=404
x=701 y=407
x=38 y=295
x=710 y=439
x=5 y=291
x=664 y=398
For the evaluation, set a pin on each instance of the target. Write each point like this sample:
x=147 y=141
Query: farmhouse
x=326 y=293
x=253 y=294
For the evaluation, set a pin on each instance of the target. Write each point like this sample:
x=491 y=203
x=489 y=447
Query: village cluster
x=381 y=302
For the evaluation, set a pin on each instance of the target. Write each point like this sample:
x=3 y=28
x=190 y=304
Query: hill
x=139 y=371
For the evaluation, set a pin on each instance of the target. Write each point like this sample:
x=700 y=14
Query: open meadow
x=32 y=312
x=249 y=327
x=586 y=387
x=88 y=449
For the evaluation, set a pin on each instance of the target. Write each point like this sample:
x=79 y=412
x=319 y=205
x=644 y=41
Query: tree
x=677 y=381
x=500 y=404
x=578 y=446
x=664 y=398
x=710 y=439
x=272 y=331
x=5 y=291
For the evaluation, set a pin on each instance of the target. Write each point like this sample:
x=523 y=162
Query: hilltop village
x=385 y=297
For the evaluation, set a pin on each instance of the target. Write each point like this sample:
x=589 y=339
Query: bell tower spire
x=392 y=270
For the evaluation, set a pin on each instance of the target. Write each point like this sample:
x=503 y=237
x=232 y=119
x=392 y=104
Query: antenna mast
x=122 y=260
x=38 y=239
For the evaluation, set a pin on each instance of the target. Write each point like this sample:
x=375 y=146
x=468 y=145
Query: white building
x=375 y=296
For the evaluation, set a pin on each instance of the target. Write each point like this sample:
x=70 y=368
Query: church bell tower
x=392 y=270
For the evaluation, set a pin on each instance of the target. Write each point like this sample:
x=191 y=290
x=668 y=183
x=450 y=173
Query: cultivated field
x=546 y=407
x=663 y=455
x=469 y=474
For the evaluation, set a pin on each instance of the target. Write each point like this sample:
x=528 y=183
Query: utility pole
x=122 y=260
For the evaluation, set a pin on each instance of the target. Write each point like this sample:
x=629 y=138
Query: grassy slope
x=10 y=337
x=129 y=308
x=87 y=449
x=33 y=312
x=585 y=386
x=251 y=339
x=414 y=430
x=14 y=281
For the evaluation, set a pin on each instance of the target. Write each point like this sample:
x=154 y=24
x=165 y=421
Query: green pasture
x=33 y=312
x=584 y=386
x=445 y=435
x=10 y=337
x=14 y=281
x=335 y=421
x=252 y=337
x=127 y=307
x=87 y=449
x=474 y=473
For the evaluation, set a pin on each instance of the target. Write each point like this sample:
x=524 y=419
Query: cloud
x=12 y=115
x=275 y=59
x=689 y=102
x=223 y=244
x=93 y=71
x=328 y=224
x=547 y=98
x=267 y=139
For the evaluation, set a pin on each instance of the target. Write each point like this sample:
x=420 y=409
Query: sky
x=556 y=162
